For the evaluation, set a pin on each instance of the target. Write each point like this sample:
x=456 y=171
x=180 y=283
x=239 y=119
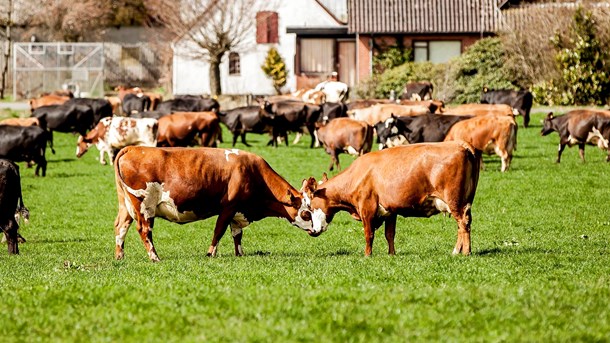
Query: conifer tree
x=275 y=68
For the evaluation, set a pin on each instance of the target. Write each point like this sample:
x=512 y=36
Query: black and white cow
x=135 y=103
x=24 y=144
x=11 y=204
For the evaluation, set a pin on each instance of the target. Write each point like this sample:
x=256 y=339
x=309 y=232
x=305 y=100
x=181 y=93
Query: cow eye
x=306 y=215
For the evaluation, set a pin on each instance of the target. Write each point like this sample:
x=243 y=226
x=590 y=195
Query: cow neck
x=280 y=204
x=339 y=193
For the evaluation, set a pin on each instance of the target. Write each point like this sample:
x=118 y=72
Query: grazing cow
x=101 y=107
x=21 y=121
x=345 y=135
x=417 y=180
x=183 y=129
x=244 y=119
x=65 y=118
x=24 y=143
x=112 y=134
x=488 y=133
x=11 y=204
x=187 y=103
x=521 y=101
x=135 y=103
x=183 y=185
x=417 y=129
x=48 y=100
x=285 y=116
x=578 y=127
x=481 y=110
x=335 y=91
x=381 y=112
x=417 y=91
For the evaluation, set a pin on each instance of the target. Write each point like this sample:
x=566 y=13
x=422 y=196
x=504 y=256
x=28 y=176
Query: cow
x=417 y=129
x=381 y=112
x=488 y=133
x=481 y=110
x=21 y=121
x=116 y=104
x=24 y=143
x=149 y=114
x=112 y=134
x=417 y=180
x=417 y=91
x=189 y=104
x=521 y=100
x=47 y=100
x=335 y=91
x=184 y=185
x=101 y=107
x=285 y=116
x=11 y=205
x=364 y=103
x=183 y=129
x=65 y=118
x=242 y=120
x=579 y=127
x=135 y=103
x=310 y=95
x=435 y=106
x=155 y=98
x=345 y=135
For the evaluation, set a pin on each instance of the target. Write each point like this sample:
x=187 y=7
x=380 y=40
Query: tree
x=275 y=68
x=208 y=29
x=7 y=23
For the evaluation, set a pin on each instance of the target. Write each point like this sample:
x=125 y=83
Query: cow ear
x=550 y=115
x=324 y=178
x=291 y=198
x=309 y=185
x=320 y=193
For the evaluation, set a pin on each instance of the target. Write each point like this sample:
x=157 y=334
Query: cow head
x=82 y=146
x=392 y=132
x=315 y=211
x=547 y=124
x=266 y=110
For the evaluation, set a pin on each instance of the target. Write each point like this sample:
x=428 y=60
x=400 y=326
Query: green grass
x=532 y=275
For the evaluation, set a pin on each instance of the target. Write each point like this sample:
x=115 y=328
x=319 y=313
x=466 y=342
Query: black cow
x=415 y=129
x=332 y=110
x=189 y=104
x=11 y=204
x=149 y=114
x=101 y=108
x=66 y=118
x=417 y=91
x=133 y=103
x=242 y=120
x=290 y=116
x=24 y=143
x=520 y=100
x=579 y=127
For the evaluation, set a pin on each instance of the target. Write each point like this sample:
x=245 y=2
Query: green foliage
x=275 y=68
x=481 y=65
x=538 y=272
x=583 y=64
x=380 y=86
x=392 y=57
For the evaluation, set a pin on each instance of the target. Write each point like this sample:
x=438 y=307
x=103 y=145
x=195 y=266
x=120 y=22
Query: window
x=234 y=67
x=317 y=55
x=436 y=51
x=266 y=27
x=66 y=49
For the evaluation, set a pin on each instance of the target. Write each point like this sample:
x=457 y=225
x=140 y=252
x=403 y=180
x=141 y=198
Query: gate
x=46 y=67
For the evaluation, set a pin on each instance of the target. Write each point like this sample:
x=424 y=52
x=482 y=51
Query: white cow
x=335 y=91
x=112 y=134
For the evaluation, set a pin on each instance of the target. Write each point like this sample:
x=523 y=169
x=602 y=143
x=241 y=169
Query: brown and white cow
x=183 y=185
x=491 y=133
x=380 y=112
x=345 y=135
x=184 y=128
x=114 y=133
x=579 y=127
x=310 y=95
x=47 y=100
x=417 y=180
x=31 y=121
x=481 y=110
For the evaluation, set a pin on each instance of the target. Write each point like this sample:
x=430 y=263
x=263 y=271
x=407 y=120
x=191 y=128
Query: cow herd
x=141 y=134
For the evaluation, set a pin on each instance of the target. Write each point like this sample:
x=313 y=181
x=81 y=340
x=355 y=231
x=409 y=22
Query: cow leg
x=237 y=234
x=10 y=234
x=463 y=218
x=102 y=157
x=559 y=151
x=317 y=140
x=526 y=118
x=505 y=157
x=581 y=152
x=145 y=227
x=297 y=138
x=243 y=139
x=121 y=226
x=223 y=221
x=41 y=163
x=390 y=233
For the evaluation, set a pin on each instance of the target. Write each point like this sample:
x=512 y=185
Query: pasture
x=540 y=268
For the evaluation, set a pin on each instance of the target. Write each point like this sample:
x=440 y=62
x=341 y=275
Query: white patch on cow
x=229 y=152
x=388 y=122
x=441 y=205
x=350 y=150
x=306 y=202
x=157 y=203
x=120 y=238
x=214 y=250
x=299 y=221
x=381 y=211
x=394 y=130
x=381 y=146
x=240 y=250
x=396 y=141
x=572 y=140
x=595 y=137
x=297 y=138
x=318 y=218
x=238 y=222
x=317 y=140
x=515 y=112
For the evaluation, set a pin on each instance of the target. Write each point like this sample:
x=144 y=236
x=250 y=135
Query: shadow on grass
x=59 y=160
x=59 y=241
x=69 y=175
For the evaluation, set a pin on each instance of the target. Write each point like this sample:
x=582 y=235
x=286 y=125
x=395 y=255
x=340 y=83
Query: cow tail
x=474 y=158
x=511 y=145
x=368 y=140
x=22 y=211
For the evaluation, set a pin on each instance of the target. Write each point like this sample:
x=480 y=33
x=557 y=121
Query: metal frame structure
x=46 y=67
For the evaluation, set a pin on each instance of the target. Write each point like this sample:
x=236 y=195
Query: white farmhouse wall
x=192 y=76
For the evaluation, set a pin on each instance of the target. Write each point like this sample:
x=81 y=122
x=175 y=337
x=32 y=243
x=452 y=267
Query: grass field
x=540 y=268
